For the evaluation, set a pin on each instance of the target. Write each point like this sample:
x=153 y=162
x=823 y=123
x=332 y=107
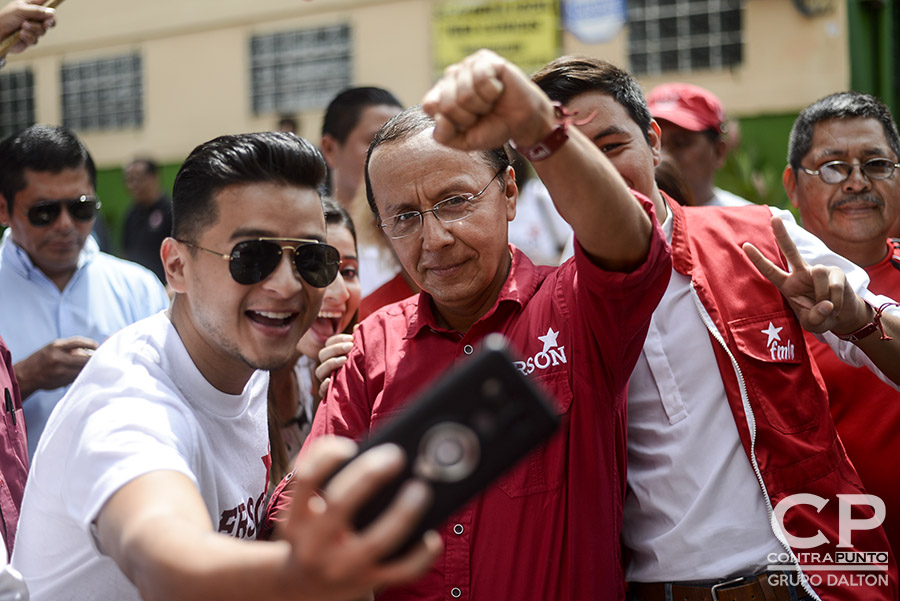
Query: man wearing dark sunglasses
x=60 y=295
x=842 y=176
x=151 y=479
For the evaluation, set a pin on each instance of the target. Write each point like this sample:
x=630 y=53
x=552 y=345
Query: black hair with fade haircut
x=568 y=76
x=842 y=105
x=42 y=148
x=265 y=157
x=407 y=124
x=344 y=110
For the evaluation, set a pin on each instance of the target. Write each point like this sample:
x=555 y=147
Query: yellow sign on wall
x=526 y=32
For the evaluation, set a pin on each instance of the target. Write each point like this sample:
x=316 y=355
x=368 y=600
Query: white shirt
x=104 y=295
x=724 y=198
x=377 y=266
x=140 y=405
x=694 y=509
x=538 y=230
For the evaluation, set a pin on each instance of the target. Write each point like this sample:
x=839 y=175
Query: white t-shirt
x=538 y=229
x=140 y=405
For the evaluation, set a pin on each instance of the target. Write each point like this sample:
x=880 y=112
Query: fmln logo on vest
x=779 y=350
x=552 y=354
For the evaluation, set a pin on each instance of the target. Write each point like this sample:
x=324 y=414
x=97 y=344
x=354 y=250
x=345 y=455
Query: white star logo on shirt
x=549 y=339
x=773 y=333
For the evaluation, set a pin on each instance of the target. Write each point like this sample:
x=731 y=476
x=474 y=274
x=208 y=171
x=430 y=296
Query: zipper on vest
x=751 y=422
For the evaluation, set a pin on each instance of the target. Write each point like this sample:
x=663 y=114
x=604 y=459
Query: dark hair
x=668 y=179
x=410 y=122
x=47 y=148
x=288 y=123
x=335 y=214
x=345 y=109
x=270 y=157
x=843 y=105
x=151 y=167
x=568 y=76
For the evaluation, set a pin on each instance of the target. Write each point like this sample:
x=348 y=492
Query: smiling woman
x=294 y=389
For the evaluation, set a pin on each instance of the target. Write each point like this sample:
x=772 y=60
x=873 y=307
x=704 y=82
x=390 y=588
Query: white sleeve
x=119 y=440
x=815 y=252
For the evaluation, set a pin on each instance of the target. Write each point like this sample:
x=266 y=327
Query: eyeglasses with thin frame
x=84 y=208
x=252 y=261
x=455 y=208
x=835 y=172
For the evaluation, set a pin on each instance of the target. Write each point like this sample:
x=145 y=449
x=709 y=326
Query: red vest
x=778 y=399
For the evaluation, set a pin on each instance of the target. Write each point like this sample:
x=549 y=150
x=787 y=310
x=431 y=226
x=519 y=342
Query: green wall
x=115 y=199
x=873 y=48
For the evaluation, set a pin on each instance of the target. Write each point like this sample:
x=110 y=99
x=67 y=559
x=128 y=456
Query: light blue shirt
x=104 y=295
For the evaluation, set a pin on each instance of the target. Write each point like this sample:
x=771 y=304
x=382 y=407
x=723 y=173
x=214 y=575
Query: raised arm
x=485 y=101
x=157 y=529
x=27 y=18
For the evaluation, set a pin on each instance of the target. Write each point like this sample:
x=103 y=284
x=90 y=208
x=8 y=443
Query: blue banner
x=594 y=21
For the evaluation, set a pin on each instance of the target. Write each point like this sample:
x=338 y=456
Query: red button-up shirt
x=549 y=528
x=13 y=451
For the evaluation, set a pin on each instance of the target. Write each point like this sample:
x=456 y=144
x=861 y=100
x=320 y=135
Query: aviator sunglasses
x=83 y=208
x=252 y=261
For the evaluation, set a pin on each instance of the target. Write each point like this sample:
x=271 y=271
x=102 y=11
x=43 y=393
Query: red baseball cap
x=687 y=106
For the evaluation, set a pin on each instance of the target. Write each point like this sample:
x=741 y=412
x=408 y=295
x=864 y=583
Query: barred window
x=103 y=94
x=299 y=70
x=684 y=35
x=16 y=101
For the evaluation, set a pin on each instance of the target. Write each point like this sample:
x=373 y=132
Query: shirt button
x=458 y=529
x=468 y=349
x=455 y=593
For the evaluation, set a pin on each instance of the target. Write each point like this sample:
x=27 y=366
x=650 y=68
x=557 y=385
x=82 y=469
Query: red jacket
x=776 y=395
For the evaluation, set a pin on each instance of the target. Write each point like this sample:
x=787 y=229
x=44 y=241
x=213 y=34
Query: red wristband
x=859 y=334
x=870 y=328
x=547 y=146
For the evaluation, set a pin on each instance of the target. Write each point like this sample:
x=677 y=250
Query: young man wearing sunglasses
x=61 y=295
x=155 y=465
x=734 y=464
x=443 y=191
x=842 y=176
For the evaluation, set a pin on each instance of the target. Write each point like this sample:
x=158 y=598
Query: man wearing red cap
x=693 y=123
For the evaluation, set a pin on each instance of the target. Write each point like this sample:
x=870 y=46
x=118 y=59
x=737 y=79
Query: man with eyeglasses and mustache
x=61 y=296
x=440 y=183
x=151 y=478
x=842 y=176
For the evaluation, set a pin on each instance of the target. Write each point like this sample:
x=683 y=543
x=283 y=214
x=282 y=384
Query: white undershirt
x=687 y=507
x=694 y=509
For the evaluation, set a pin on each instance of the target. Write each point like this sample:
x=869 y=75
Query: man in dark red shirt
x=440 y=184
x=13 y=452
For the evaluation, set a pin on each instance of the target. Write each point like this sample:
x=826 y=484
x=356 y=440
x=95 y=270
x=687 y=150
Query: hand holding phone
x=468 y=428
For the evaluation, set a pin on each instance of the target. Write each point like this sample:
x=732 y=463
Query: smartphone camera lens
x=448 y=452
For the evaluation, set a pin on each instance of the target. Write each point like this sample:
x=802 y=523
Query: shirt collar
x=14 y=256
x=682 y=259
x=519 y=287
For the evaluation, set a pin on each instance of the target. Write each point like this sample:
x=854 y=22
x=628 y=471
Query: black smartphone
x=465 y=430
